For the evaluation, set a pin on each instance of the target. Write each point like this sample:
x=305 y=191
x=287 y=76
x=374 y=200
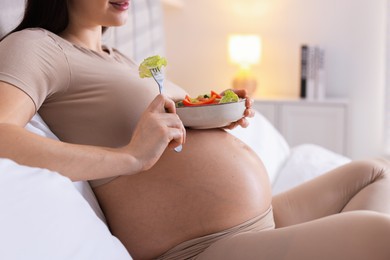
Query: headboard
x=141 y=37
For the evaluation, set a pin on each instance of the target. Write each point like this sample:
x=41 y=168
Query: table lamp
x=245 y=50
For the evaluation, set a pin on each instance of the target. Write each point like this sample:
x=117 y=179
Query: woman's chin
x=116 y=24
x=117 y=20
x=121 y=21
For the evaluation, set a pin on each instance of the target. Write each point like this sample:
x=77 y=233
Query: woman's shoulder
x=33 y=40
x=30 y=34
x=34 y=37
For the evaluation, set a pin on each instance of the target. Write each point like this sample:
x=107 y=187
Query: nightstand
x=321 y=122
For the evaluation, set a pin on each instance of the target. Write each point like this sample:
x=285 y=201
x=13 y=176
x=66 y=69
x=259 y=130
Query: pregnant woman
x=210 y=201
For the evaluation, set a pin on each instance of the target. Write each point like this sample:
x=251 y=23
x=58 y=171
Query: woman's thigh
x=352 y=235
x=359 y=185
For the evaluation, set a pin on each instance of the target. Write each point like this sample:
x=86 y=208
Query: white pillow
x=43 y=216
x=38 y=126
x=306 y=162
x=266 y=141
x=11 y=15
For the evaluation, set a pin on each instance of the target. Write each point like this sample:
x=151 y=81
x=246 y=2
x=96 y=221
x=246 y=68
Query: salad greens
x=229 y=96
x=149 y=63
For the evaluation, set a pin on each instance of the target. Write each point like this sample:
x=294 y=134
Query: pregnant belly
x=216 y=182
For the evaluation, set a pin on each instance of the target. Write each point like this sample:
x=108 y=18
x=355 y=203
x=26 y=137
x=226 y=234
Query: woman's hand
x=243 y=122
x=158 y=128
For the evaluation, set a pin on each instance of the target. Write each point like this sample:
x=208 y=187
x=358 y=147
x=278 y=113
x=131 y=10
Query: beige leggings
x=344 y=214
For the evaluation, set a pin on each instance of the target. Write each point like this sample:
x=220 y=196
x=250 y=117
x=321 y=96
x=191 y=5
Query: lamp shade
x=245 y=50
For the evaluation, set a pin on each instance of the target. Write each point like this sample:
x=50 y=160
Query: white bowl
x=211 y=116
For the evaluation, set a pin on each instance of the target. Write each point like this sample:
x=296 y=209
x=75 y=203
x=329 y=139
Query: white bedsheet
x=305 y=163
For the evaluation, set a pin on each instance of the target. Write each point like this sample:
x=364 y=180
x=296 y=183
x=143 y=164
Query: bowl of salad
x=210 y=110
x=206 y=111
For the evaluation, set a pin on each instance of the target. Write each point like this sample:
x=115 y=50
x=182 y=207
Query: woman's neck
x=87 y=38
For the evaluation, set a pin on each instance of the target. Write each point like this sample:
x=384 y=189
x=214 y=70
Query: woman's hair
x=51 y=15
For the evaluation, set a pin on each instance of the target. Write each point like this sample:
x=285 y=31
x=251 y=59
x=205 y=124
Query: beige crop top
x=85 y=97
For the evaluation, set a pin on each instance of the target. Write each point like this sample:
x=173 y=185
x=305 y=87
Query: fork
x=158 y=76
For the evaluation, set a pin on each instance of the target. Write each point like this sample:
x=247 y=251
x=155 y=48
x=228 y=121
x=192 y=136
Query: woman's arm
x=82 y=162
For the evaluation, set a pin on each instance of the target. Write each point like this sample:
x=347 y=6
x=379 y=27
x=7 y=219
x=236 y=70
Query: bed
x=44 y=215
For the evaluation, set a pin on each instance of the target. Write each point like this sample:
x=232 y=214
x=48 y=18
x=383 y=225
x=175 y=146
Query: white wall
x=351 y=31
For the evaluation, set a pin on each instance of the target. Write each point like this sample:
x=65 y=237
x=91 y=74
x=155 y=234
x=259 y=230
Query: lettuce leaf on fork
x=149 y=63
